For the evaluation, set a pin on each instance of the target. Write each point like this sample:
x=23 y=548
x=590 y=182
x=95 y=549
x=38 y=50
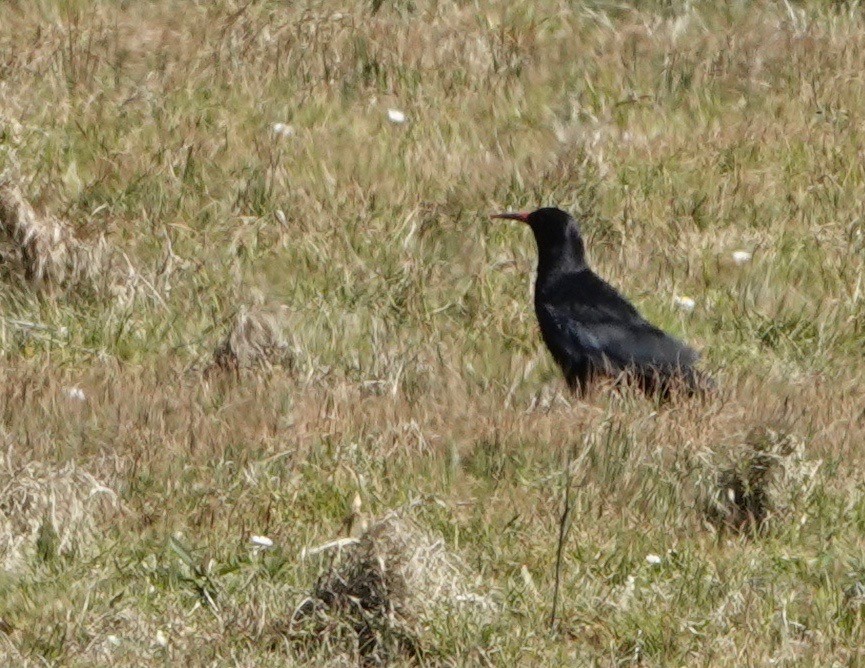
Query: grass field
x=378 y=352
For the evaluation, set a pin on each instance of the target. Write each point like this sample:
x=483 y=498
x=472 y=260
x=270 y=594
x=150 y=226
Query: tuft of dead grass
x=48 y=512
x=376 y=601
x=764 y=479
x=255 y=340
x=42 y=249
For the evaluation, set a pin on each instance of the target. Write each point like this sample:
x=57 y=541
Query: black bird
x=589 y=327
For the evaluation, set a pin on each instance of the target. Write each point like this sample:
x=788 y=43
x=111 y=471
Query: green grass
x=681 y=131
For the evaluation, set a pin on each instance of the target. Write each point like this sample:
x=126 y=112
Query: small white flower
x=114 y=640
x=396 y=116
x=684 y=303
x=161 y=639
x=741 y=257
x=261 y=541
x=653 y=559
x=283 y=130
x=75 y=393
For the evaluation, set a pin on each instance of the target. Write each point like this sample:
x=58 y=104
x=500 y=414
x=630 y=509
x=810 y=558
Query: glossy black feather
x=591 y=329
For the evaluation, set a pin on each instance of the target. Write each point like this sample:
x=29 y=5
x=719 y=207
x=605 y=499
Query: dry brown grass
x=46 y=513
x=255 y=339
x=377 y=601
x=767 y=479
x=41 y=250
x=406 y=362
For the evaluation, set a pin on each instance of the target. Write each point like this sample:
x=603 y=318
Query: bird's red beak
x=522 y=216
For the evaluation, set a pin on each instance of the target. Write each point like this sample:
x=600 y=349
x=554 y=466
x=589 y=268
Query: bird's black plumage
x=591 y=329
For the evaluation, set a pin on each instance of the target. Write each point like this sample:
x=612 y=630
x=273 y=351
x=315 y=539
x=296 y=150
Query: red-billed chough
x=589 y=327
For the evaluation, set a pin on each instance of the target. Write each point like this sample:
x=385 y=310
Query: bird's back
x=590 y=328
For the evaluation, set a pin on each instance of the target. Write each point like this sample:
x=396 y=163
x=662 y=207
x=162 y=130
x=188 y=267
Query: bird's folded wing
x=616 y=343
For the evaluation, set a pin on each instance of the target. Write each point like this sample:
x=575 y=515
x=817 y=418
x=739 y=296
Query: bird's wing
x=591 y=319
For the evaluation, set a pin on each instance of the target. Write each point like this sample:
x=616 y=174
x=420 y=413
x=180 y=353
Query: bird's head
x=557 y=234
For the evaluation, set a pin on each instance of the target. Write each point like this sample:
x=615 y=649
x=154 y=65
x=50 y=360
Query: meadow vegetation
x=212 y=331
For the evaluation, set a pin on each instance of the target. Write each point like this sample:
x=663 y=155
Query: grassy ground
x=414 y=374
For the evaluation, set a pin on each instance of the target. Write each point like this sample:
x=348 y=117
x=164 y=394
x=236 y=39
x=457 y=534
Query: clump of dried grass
x=255 y=340
x=765 y=478
x=378 y=599
x=47 y=512
x=42 y=250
